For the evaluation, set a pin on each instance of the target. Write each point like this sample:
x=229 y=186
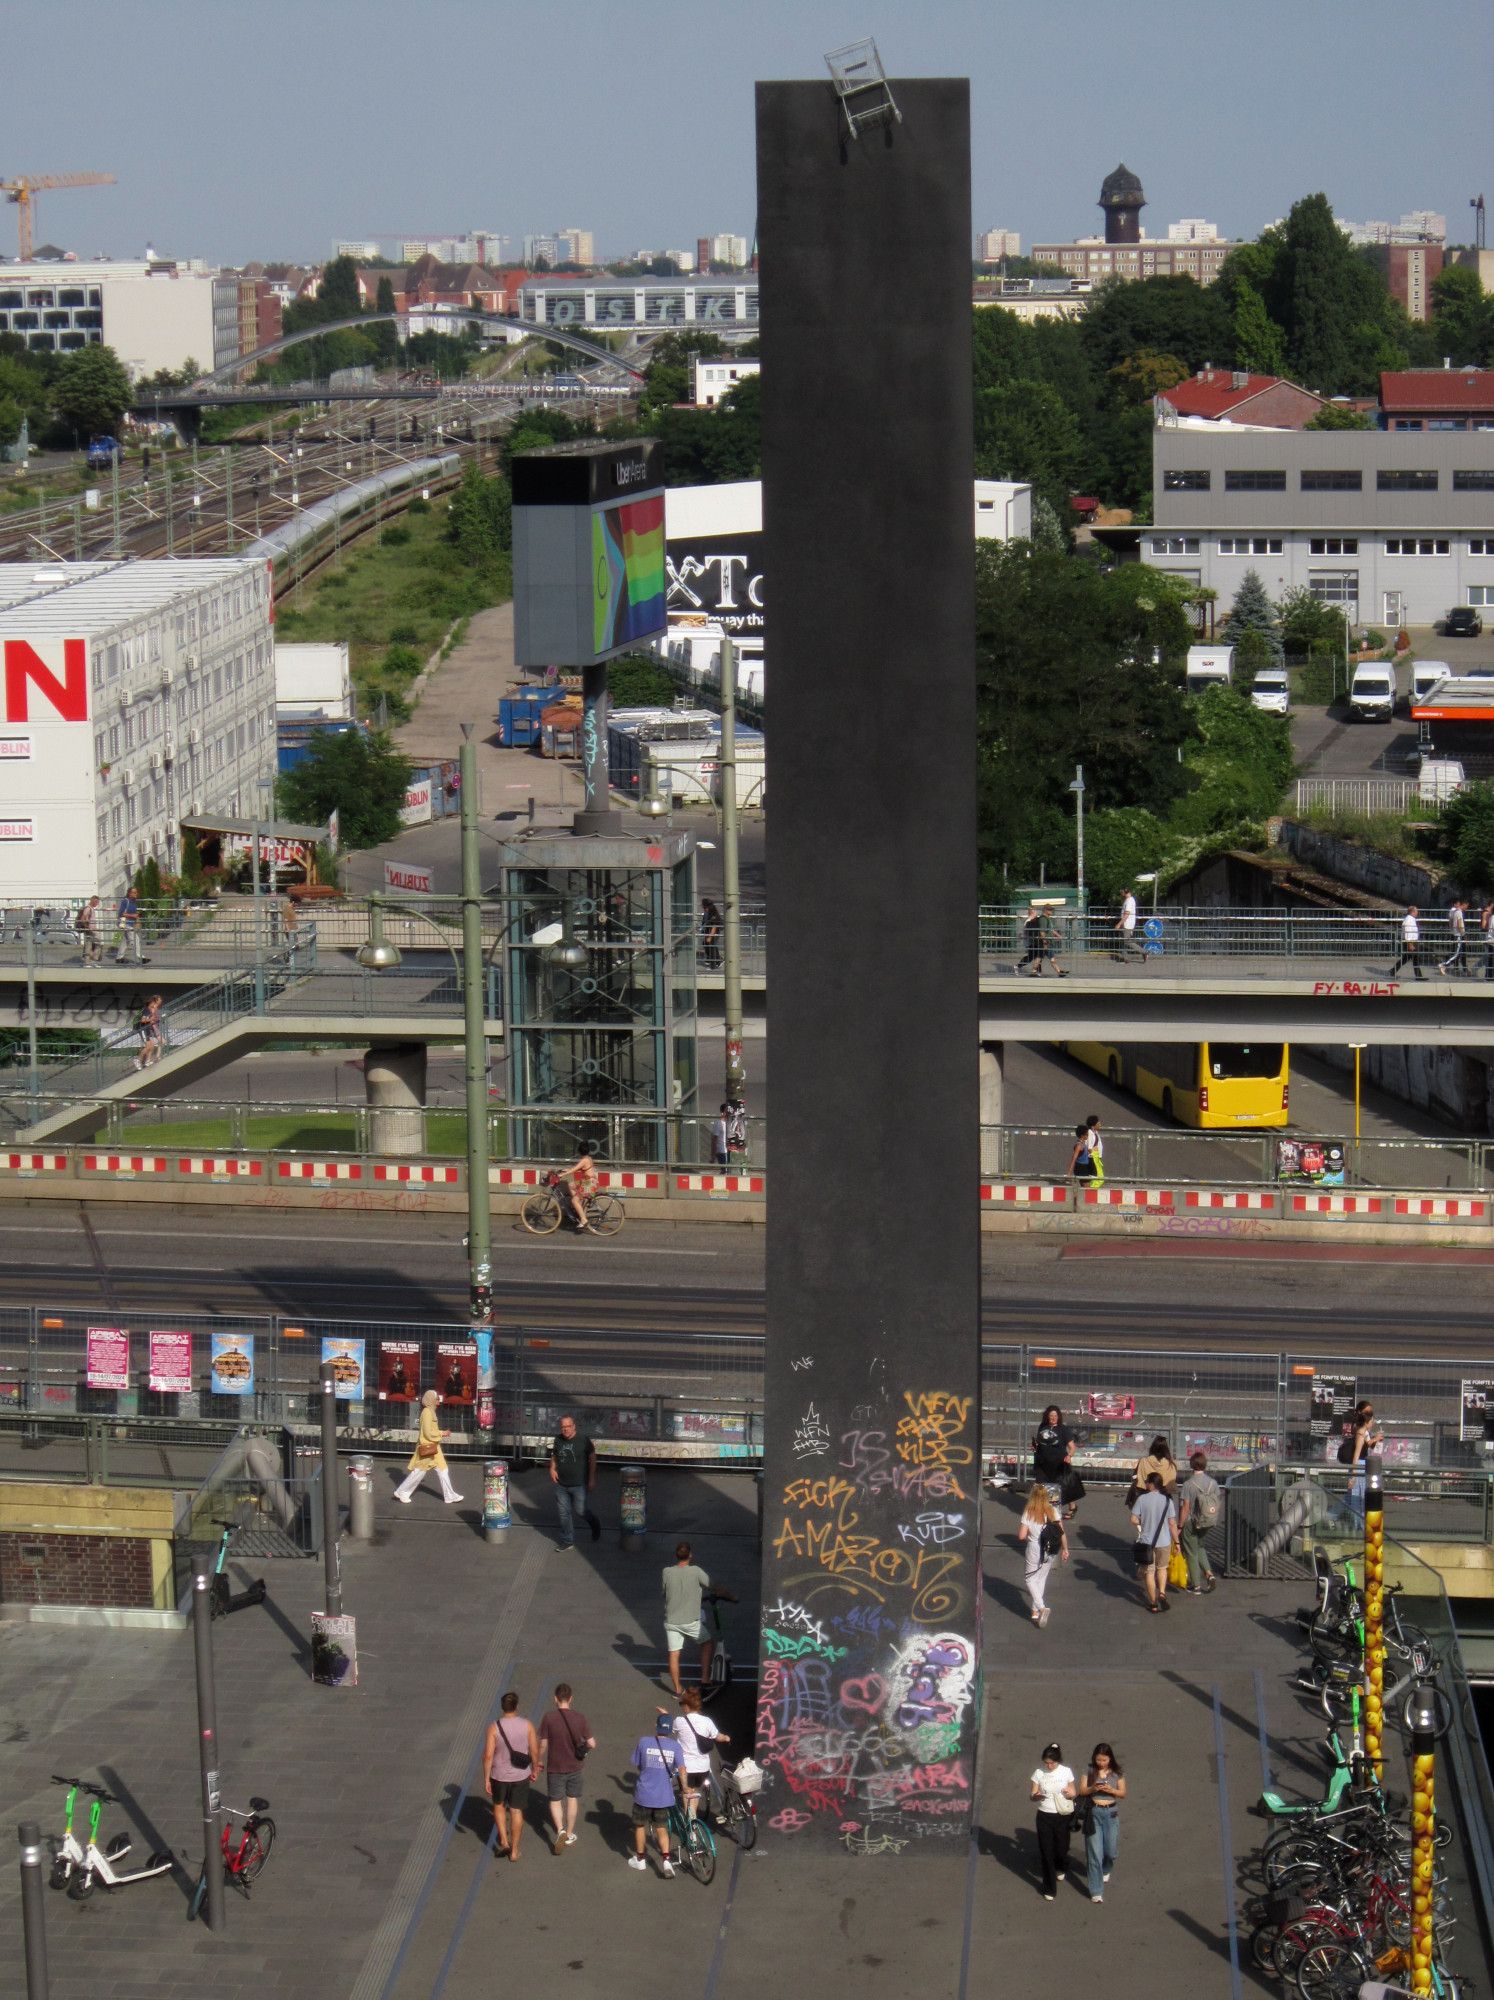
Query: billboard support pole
x=596 y=814
x=731 y=876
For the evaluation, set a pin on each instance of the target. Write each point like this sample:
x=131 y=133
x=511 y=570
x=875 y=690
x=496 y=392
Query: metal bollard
x=361 y=1499
x=33 y=1911
x=633 y=1505
x=497 y=1517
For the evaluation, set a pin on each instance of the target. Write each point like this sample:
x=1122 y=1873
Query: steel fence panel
x=1418 y=1404
x=1117 y=1400
x=17 y=1328
x=60 y=1384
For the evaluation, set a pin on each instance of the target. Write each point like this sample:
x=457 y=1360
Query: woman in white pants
x=428 y=1455
x=1045 y=1541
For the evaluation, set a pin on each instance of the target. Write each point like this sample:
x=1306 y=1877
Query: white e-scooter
x=100 y=1864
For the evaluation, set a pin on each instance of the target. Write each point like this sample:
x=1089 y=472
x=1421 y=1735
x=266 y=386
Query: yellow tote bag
x=1177 y=1570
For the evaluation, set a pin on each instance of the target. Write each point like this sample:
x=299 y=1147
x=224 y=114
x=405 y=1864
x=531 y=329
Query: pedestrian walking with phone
x=1101 y=1790
x=1053 y=1788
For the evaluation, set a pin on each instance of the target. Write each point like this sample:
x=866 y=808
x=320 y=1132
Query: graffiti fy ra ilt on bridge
x=868 y=1698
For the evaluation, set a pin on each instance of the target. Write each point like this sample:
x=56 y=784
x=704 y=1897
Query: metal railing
x=701 y=1394
x=1368 y=795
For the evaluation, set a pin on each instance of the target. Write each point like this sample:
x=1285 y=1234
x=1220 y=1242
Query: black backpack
x=1050 y=1540
x=1346 y=1448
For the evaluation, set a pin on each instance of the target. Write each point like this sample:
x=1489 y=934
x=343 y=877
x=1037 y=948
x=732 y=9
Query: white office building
x=1394 y=527
x=136 y=694
x=715 y=376
x=153 y=314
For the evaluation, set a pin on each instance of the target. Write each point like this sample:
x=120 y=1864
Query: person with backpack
x=1082 y=1160
x=1041 y=1532
x=1199 y=1509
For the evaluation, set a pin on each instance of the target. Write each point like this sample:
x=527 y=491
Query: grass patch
x=1387 y=833
x=292 y=1132
x=394 y=602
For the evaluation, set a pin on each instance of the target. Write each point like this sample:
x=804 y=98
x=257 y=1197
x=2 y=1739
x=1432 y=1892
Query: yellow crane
x=21 y=190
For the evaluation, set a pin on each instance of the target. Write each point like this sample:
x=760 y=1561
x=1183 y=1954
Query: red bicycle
x=244 y=1853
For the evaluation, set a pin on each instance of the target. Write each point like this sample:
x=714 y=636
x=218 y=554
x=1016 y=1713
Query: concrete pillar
x=992 y=1091
x=394 y=1077
x=871 y=1576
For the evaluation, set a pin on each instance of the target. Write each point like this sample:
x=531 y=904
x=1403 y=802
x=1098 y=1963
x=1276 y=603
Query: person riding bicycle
x=581 y=1183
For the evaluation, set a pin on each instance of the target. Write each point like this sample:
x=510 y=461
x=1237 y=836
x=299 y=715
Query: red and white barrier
x=223 y=1167
x=1024 y=1193
x=1127 y=1197
x=639 y=1183
x=319 y=1170
x=427 y=1176
x=720 y=1183
x=1436 y=1205
x=125 y=1163
x=1235 y=1198
x=1338 y=1204
x=520 y=1176
x=32 y=1163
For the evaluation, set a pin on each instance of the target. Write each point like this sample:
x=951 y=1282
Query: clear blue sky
x=269 y=129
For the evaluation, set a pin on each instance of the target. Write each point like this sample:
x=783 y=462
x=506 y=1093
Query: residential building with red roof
x=1437 y=399
x=1233 y=396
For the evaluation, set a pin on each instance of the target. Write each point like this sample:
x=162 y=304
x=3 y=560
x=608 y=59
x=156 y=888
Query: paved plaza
x=383 y=1884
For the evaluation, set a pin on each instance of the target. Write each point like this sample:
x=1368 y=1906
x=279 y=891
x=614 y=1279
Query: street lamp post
x=1358 y=1048
x=731 y=874
x=1152 y=878
x=1077 y=788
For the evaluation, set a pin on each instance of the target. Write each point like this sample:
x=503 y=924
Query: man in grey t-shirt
x=1155 y=1519
x=684 y=1584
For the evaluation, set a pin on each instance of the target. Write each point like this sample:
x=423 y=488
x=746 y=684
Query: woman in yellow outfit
x=428 y=1455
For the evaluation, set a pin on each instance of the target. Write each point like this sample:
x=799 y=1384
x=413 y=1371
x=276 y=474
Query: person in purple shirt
x=658 y=1760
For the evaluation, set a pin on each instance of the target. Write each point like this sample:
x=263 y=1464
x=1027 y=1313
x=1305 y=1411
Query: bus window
x=1232 y=1059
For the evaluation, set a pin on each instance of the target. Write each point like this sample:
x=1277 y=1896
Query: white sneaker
x=666 y=1867
x=452 y=1499
x=403 y=1499
x=637 y=1861
x=1097 y=1899
x=570 y=1840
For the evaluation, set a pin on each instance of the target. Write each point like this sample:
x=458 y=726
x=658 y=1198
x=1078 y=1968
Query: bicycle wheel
x=540 y=1213
x=604 y=1214
x=700 y=1850
x=744 y=1826
x=1333 y=1970
x=1299 y=1937
x=259 y=1838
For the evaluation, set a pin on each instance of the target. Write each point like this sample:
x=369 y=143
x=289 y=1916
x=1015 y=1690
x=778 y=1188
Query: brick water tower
x=1122 y=200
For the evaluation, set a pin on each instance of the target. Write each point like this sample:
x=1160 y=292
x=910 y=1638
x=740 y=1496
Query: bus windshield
x=1242 y=1059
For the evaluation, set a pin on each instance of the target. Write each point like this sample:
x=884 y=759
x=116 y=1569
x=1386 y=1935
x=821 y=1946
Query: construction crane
x=21 y=190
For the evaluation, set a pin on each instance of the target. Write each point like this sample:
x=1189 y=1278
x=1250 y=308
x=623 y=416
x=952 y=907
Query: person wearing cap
x=1054 y=1790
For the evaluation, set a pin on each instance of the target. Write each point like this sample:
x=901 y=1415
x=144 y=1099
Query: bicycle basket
x=747 y=1776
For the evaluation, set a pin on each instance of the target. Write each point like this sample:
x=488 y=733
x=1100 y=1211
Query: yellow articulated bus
x=1208 y=1084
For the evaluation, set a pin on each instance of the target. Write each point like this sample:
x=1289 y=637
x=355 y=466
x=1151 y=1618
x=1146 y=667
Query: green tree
x=1075 y=665
x=1025 y=430
x=1120 y=844
x=338 y=295
x=1340 y=323
x=385 y=335
x=91 y=392
x=359 y=774
x=1240 y=763
x=1146 y=374
x=1259 y=348
x=637 y=680
x=12 y=416
x=24 y=386
x=1253 y=611
x=1462 y=318
x=480 y=519
x=1305 y=621
x=1340 y=417
x=1165 y=315
x=1465 y=835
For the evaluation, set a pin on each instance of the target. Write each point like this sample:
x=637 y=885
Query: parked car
x=1270 y=692
x=1372 y=692
x=1462 y=622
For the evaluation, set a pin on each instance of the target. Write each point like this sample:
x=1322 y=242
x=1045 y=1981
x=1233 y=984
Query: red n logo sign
x=68 y=696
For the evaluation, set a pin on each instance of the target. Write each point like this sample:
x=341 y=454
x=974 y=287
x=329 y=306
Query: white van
x=1438 y=779
x=1425 y=675
x=1270 y=691
x=1372 y=693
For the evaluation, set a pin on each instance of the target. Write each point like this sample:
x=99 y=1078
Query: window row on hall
x=1183 y=479
x=1317 y=545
